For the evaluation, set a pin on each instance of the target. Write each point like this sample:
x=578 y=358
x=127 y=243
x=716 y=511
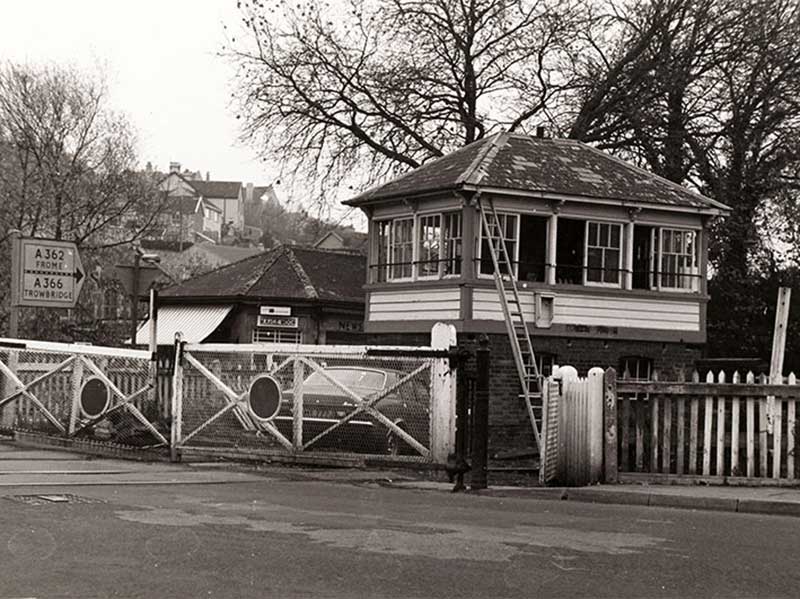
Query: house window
x=176 y=218
x=678 y=259
x=636 y=368
x=276 y=335
x=110 y=306
x=401 y=248
x=509 y=233
x=546 y=362
x=603 y=253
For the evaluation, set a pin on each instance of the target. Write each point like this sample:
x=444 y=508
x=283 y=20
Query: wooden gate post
x=595 y=423
x=443 y=396
x=297 y=405
x=480 y=419
x=77 y=380
x=611 y=458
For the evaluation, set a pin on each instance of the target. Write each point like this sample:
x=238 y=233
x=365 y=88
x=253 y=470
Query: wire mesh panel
x=332 y=399
x=98 y=393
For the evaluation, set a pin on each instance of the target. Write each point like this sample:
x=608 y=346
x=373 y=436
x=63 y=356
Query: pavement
x=21 y=467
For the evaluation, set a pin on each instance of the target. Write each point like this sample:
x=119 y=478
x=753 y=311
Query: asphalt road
x=287 y=537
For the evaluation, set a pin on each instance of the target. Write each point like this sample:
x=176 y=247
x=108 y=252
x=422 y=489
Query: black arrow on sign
x=78 y=275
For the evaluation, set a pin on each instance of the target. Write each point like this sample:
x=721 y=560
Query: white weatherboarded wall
x=417 y=304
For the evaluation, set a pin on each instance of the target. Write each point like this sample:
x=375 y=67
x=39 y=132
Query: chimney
x=175 y=167
x=248 y=192
x=208 y=175
x=541 y=132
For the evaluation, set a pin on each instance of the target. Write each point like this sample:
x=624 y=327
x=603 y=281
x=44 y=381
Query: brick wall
x=509 y=428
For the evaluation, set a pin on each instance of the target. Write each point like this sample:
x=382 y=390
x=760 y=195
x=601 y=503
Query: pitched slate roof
x=286 y=272
x=216 y=189
x=561 y=167
x=228 y=253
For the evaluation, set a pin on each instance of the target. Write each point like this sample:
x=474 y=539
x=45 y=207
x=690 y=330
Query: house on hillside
x=226 y=196
x=333 y=240
x=610 y=259
x=187 y=219
x=289 y=294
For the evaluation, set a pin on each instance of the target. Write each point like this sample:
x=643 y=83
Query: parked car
x=325 y=404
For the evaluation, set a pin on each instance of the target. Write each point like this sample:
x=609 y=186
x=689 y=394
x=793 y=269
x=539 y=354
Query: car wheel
x=394 y=443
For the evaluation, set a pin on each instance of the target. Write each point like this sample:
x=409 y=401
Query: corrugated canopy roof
x=195 y=323
x=561 y=167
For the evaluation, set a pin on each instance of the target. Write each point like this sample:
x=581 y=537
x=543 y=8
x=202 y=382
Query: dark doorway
x=569 y=251
x=532 y=248
x=642 y=251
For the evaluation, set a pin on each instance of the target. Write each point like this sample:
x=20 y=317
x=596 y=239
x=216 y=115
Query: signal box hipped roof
x=547 y=167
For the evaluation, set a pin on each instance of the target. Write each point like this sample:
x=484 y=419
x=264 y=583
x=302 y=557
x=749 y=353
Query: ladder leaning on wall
x=521 y=347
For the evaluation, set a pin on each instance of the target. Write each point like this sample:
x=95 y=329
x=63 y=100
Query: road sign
x=46 y=273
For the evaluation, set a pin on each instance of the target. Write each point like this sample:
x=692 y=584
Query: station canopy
x=194 y=323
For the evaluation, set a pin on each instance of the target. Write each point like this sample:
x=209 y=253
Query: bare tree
x=69 y=165
x=384 y=85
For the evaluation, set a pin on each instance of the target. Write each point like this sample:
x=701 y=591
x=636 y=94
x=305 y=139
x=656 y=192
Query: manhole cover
x=52 y=499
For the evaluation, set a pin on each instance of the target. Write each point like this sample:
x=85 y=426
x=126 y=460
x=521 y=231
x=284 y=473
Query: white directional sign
x=47 y=273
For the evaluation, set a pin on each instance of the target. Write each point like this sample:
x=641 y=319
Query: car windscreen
x=352 y=378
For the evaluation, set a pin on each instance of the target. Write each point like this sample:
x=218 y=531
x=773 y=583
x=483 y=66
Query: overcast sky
x=163 y=72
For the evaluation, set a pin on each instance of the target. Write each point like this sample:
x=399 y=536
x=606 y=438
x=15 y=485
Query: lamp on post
x=151 y=260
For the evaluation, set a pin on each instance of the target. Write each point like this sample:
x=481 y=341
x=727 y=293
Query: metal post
x=135 y=298
x=13 y=315
x=9 y=410
x=480 y=419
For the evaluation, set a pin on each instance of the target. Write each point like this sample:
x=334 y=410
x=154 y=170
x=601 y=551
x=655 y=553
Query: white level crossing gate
x=267 y=399
x=81 y=392
x=260 y=399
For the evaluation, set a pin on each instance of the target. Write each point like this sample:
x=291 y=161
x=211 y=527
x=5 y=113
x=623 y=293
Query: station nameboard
x=45 y=273
x=282 y=322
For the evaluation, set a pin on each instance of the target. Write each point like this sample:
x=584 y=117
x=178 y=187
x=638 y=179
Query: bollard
x=480 y=419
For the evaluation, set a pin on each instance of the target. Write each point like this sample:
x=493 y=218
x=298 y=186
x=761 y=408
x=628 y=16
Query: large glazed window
x=678 y=260
x=425 y=247
x=453 y=243
x=401 y=248
x=603 y=253
x=430 y=245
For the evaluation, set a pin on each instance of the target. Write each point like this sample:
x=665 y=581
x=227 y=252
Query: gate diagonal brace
x=126 y=399
x=40 y=379
x=234 y=403
x=363 y=405
x=230 y=395
x=24 y=391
